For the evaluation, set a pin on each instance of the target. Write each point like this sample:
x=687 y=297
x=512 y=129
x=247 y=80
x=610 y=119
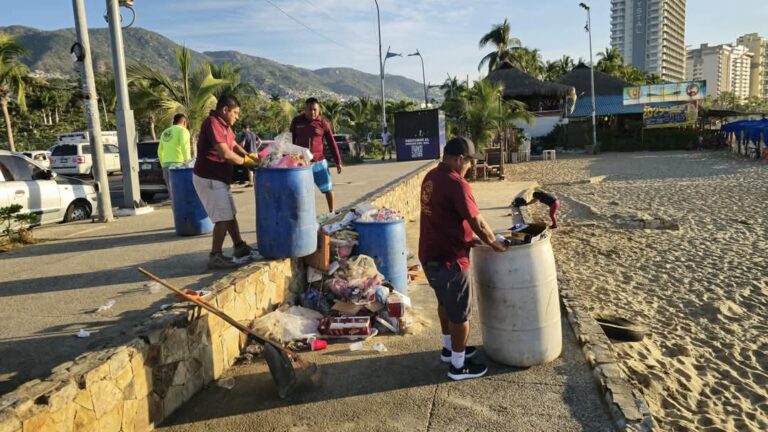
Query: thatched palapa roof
x=520 y=85
x=605 y=85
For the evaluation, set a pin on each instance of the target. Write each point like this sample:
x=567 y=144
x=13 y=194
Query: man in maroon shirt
x=217 y=153
x=449 y=221
x=309 y=130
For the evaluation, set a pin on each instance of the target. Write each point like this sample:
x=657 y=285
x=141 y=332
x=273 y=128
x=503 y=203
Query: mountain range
x=49 y=56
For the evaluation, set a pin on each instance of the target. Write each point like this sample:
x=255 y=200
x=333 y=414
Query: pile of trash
x=350 y=299
x=282 y=153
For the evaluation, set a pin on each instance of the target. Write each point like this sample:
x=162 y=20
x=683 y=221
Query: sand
x=702 y=289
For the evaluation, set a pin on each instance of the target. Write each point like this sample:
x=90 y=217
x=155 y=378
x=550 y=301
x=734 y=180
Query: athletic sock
x=447 y=341
x=457 y=359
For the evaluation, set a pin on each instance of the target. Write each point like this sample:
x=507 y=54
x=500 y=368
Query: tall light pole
x=381 y=73
x=423 y=77
x=595 y=148
x=126 y=127
x=81 y=53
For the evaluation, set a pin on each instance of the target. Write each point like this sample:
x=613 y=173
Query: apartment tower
x=759 y=67
x=726 y=68
x=650 y=35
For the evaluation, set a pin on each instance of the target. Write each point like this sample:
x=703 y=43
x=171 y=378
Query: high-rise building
x=759 y=67
x=726 y=68
x=650 y=35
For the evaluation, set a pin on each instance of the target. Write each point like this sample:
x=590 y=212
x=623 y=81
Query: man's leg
x=329 y=198
x=233 y=228
x=219 y=234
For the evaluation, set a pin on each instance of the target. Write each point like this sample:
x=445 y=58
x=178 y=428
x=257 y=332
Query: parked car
x=41 y=157
x=76 y=159
x=52 y=197
x=346 y=144
x=151 y=180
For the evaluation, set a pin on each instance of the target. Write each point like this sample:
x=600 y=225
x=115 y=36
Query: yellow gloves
x=253 y=157
x=249 y=163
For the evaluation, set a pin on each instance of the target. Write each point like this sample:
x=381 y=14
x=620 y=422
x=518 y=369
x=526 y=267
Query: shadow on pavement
x=30 y=357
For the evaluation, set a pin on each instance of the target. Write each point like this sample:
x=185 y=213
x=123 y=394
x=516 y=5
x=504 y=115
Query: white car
x=53 y=198
x=41 y=157
x=76 y=159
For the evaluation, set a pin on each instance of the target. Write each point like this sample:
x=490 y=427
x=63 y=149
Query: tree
x=558 y=68
x=333 y=111
x=527 y=60
x=192 y=94
x=357 y=117
x=500 y=36
x=231 y=74
x=487 y=111
x=610 y=61
x=727 y=100
x=13 y=80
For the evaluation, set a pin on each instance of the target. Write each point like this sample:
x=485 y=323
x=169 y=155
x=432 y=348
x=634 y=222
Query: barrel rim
x=308 y=167
x=512 y=248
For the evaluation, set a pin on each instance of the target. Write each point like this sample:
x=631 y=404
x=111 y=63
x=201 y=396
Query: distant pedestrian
x=250 y=142
x=700 y=143
x=309 y=130
x=386 y=144
x=173 y=148
x=450 y=219
x=544 y=198
x=217 y=153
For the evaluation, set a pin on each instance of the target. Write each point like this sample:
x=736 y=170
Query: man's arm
x=336 y=154
x=483 y=231
x=240 y=150
x=186 y=144
x=228 y=155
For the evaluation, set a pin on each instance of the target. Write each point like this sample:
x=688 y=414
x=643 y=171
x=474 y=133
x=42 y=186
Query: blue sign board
x=419 y=135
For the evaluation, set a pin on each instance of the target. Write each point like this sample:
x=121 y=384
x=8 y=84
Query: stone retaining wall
x=174 y=354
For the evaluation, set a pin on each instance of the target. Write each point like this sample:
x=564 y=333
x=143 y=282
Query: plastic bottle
x=378 y=346
x=357 y=346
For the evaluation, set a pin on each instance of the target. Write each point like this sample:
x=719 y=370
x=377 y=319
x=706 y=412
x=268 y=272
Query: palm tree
x=13 y=80
x=333 y=110
x=558 y=68
x=486 y=111
x=527 y=60
x=231 y=74
x=610 y=61
x=192 y=94
x=501 y=37
x=357 y=117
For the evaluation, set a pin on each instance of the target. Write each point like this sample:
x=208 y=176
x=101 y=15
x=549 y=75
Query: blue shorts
x=322 y=176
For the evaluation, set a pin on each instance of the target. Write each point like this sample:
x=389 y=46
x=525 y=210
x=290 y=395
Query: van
x=72 y=154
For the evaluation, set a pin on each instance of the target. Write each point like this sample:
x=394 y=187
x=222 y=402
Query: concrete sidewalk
x=51 y=290
x=406 y=388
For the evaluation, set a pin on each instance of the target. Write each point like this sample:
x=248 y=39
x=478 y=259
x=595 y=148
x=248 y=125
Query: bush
x=16 y=224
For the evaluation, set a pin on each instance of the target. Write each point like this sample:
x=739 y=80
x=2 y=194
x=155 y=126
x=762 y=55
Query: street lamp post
x=595 y=148
x=423 y=77
x=381 y=73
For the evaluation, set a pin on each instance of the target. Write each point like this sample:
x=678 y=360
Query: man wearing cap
x=309 y=130
x=450 y=220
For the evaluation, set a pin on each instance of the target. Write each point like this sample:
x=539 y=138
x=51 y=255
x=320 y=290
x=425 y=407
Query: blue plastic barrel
x=286 y=219
x=385 y=243
x=189 y=216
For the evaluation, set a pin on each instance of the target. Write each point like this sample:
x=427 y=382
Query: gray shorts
x=452 y=289
x=216 y=198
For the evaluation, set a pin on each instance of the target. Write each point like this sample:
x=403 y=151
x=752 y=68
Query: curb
x=627 y=407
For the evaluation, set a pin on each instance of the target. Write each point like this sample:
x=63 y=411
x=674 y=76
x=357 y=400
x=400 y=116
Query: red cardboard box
x=345 y=326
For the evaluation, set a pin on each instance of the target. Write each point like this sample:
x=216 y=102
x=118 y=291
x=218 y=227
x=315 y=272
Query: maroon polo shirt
x=208 y=164
x=310 y=134
x=447 y=204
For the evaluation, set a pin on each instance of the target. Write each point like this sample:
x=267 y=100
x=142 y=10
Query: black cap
x=461 y=146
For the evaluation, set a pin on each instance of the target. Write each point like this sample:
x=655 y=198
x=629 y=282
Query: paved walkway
x=51 y=290
x=406 y=388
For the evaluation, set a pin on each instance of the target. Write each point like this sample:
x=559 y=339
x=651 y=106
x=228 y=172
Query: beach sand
x=702 y=289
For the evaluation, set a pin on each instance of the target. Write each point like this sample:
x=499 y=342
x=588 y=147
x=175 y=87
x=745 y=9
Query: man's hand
x=338 y=169
x=249 y=163
x=498 y=246
x=252 y=156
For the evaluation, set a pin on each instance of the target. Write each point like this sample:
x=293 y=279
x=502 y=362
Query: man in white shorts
x=217 y=153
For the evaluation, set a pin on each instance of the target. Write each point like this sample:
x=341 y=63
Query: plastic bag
x=361 y=267
x=288 y=324
x=284 y=144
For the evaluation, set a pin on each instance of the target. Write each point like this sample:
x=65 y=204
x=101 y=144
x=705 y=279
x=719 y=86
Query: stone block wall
x=135 y=386
x=404 y=196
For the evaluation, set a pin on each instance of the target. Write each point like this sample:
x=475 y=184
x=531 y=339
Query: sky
x=343 y=33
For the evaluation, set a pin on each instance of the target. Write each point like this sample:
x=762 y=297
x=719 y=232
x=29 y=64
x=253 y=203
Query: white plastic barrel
x=519 y=302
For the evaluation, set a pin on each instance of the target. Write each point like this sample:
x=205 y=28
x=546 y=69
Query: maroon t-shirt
x=208 y=164
x=310 y=133
x=446 y=205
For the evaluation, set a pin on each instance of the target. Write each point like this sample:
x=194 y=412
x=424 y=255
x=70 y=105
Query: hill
x=49 y=54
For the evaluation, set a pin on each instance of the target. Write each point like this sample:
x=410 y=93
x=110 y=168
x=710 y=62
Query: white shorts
x=216 y=198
